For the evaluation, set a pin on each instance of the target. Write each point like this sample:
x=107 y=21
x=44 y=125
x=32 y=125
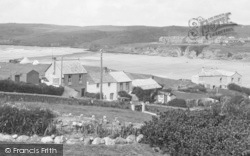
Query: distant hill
x=74 y=36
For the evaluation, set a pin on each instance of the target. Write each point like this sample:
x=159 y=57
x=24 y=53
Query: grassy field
x=117 y=150
x=124 y=115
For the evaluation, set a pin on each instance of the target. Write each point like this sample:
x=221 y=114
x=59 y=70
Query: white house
x=109 y=85
x=113 y=82
x=212 y=78
x=124 y=83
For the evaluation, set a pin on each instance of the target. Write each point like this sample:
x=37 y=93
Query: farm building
x=23 y=72
x=24 y=75
x=68 y=73
x=212 y=78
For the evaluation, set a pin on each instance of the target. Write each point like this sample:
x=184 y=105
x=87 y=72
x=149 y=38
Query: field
x=121 y=150
x=123 y=115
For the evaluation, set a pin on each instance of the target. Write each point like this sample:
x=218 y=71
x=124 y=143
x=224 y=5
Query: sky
x=120 y=12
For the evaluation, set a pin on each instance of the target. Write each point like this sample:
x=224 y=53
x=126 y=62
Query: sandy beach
x=170 y=67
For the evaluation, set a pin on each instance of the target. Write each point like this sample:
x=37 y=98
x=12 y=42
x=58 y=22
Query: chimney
x=106 y=70
x=54 y=71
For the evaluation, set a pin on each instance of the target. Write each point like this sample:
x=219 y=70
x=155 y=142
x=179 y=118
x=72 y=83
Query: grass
x=121 y=150
x=124 y=115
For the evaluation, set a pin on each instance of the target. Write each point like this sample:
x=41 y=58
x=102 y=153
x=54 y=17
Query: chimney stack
x=54 y=72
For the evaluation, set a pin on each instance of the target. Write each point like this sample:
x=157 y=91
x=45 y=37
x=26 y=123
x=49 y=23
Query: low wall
x=24 y=97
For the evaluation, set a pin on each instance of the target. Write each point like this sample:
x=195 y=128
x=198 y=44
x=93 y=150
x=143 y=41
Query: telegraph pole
x=101 y=76
x=61 y=70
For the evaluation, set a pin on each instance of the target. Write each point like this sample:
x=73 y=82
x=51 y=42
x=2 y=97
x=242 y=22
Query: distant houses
x=217 y=78
x=68 y=73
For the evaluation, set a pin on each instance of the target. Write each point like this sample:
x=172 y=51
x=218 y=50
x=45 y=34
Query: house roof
x=146 y=84
x=71 y=67
x=94 y=77
x=120 y=76
x=134 y=76
x=23 y=68
x=216 y=72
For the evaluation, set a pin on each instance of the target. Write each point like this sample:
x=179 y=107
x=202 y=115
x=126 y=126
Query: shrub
x=238 y=88
x=144 y=95
x=24 y=121
x=93 y=95
x=205 y=132
x=124 y=94
x=22 y=87
x=178 y=103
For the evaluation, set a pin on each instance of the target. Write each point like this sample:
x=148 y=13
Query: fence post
x=142 y=107
x=132 y=107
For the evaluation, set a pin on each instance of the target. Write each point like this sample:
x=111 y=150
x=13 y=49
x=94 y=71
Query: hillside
x=73 y=36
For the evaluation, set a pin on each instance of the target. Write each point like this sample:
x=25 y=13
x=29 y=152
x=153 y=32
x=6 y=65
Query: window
x=238 y=79
x=121 y=86
x=221 y=79
x=69 y=78
x=97 y=85
x=109 y=84
x=232 y=79
x=127 y=86
x=80 y=78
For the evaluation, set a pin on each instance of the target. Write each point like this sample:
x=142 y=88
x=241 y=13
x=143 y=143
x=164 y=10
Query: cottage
x=124 y=83
x=212 y=78
x=68 y=73
x=109 y=85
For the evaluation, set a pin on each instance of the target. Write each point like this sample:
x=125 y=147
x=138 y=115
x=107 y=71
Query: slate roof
x=94 y=77
x=23 y=68
x=146 y=84
x=71 y=67
x=216 y=72
x=120 y=76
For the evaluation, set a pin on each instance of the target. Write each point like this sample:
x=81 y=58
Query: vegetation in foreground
x=221 y=130
x=17 y=119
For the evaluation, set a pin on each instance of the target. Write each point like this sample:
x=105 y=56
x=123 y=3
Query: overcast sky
x=120 y=12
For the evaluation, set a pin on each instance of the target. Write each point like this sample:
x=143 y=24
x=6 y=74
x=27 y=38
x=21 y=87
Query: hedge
x=206 y=132
x=22 y=87
x=23 y=121
x=51 y=99
x=178 y=103
x=238 y=88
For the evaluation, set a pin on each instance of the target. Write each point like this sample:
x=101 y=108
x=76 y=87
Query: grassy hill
x=54 y=35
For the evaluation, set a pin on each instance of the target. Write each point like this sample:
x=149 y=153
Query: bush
x=238 y=88
x=124 y=94
x=178 y=103
x=195 y=89
x=144 y=95
x=23 y=121
x=22 y=87
x=205 y=132
x=93 y=95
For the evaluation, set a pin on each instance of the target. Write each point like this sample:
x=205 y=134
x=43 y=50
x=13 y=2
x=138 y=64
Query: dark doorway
x=83 y=92
x=17 y=78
